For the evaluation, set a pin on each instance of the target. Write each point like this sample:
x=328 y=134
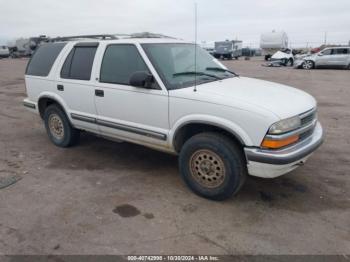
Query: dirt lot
x=103 y=197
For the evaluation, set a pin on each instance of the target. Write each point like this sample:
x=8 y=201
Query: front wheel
x=308 y=64
x=58 y=127
x=212 y=165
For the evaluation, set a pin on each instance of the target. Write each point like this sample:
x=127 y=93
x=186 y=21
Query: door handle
x=60 y=87
x=99 y=92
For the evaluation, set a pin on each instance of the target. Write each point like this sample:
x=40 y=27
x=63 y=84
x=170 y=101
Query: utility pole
x=325 y=38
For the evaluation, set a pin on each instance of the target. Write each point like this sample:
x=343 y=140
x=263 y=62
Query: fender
x=58 y=100
x=225 y=124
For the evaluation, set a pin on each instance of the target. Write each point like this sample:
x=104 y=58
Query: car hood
x=252 y=94
x=310 y=57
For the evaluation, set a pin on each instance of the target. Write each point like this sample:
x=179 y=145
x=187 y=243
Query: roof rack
x=69 y=38
x=109 y=36
x=149 y=35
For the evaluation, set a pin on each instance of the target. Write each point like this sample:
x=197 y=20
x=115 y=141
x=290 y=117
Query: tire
x=212 y=166
x=58 y=128
x=308 y=64
x=267 y=57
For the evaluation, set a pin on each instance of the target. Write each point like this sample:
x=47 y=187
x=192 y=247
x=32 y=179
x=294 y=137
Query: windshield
x=175 y=64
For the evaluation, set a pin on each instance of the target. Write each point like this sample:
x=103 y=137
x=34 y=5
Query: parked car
x=228 y=49
x=148 y=91
x=25 y=47
x=285 y=56
x=4 y=52
x=334 y=57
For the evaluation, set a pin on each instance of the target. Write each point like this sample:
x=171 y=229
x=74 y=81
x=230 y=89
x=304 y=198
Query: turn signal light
x=274 y=144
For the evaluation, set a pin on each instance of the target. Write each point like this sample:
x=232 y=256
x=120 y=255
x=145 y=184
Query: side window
x=43 y=59
x=341 y=51
x=119 y=63
x=327 y=52
x=78 y=64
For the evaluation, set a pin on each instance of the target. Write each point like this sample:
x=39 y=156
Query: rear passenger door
x=340 y=57
x=76 y=86
x=124 y=111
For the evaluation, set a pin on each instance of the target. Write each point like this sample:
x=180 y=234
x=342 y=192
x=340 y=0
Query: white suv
x=148 y=91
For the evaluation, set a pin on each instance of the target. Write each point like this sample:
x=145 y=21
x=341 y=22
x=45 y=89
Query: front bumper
x=30 y=105
x=273 y=163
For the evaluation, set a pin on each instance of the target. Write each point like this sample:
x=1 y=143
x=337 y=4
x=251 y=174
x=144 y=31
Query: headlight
x=285 y=125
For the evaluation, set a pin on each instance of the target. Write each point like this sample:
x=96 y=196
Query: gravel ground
x=102 y=197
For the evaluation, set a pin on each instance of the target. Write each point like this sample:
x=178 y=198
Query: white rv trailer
x=272 y=42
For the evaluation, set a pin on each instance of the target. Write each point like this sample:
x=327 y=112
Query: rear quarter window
x=44 y=57
x=341 y=51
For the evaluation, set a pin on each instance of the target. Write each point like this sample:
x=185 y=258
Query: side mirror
x=320 y=54
x=141 y=79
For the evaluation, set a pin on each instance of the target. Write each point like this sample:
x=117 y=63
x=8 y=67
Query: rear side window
x=341 y=51
x=119 y=63
x=78 y=64
x=44 y=57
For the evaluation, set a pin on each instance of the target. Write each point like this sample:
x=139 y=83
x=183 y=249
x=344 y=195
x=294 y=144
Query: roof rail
x=109 y=36
x=69 y=38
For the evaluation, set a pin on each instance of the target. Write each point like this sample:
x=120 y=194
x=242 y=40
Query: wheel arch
x=47 y=99
x=187 y=129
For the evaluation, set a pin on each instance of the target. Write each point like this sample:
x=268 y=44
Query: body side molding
x=122 y=127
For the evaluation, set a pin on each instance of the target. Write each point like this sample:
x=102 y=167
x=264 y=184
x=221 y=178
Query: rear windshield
x=44 y=57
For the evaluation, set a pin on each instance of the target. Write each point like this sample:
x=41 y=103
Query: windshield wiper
x=196 y=73
x=221 y=70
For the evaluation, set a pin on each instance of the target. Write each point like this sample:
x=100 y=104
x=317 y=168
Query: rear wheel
x=58 y=127
x=212 y=165
x=308 y=64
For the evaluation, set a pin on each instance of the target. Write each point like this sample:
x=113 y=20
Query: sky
x=305 y=21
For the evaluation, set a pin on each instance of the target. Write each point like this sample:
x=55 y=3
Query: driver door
x=126 y=112
x=324 y=58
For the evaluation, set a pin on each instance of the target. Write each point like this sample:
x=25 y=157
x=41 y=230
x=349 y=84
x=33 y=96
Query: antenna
x=195 y=47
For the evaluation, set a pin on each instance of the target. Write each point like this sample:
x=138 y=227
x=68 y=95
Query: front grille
x=308 y=118
x=306 y=134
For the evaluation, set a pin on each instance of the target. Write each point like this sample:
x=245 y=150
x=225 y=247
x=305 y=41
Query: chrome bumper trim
x=29 y=104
